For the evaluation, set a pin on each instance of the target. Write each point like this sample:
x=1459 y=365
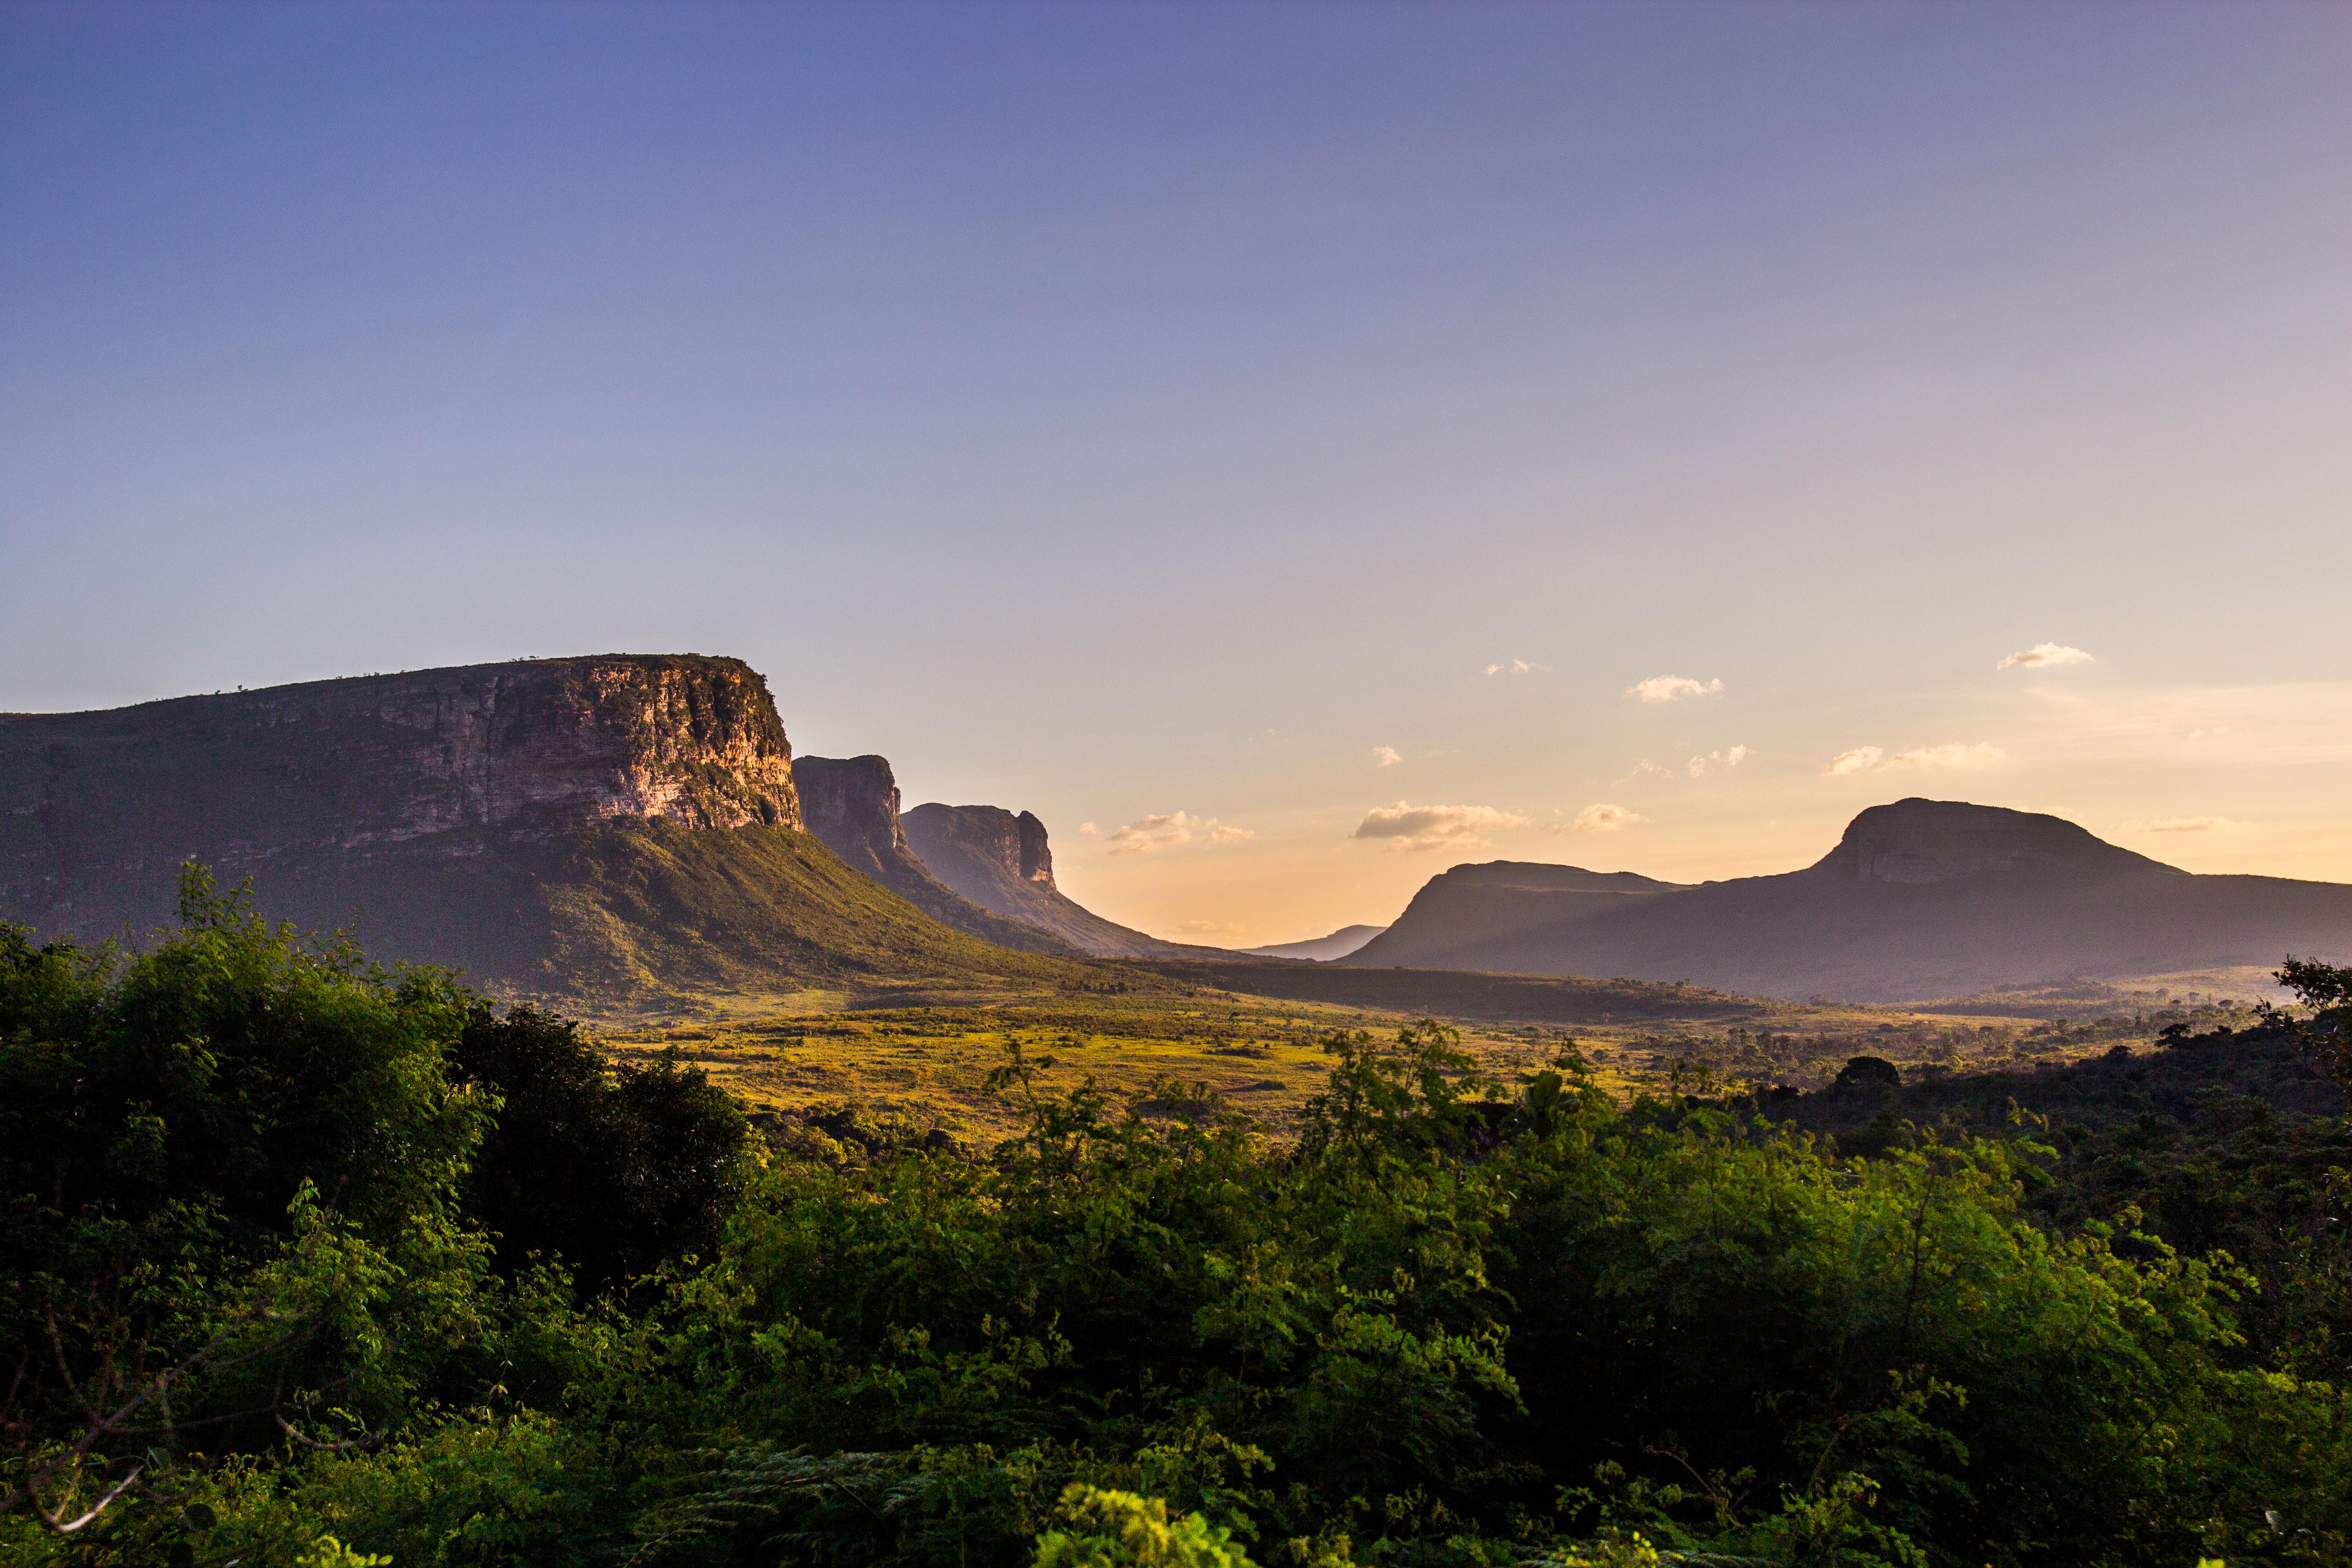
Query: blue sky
x=1121 y=411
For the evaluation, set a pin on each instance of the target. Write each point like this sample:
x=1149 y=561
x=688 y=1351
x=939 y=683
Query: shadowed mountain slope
x=851 y=804
x=1920 y=899
x=1002 y=862
x=1322 y=949
x=593 y=829
x=1461 y=916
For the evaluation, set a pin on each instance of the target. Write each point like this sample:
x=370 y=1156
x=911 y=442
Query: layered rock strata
x=1002 y=862
x=851 y=804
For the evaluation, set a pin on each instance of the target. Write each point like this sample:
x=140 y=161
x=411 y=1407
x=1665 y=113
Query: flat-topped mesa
x=95 y=807
x=852 y=803
x=1916 y=842
x=1000 y=861
x=1015 y=844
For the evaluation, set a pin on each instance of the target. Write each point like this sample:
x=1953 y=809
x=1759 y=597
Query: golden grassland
x=925 y=1068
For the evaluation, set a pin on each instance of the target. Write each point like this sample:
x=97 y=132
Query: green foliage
x=613 y=1167
x=1456 y=1323
x=1122 y=1529
x=328 y=1552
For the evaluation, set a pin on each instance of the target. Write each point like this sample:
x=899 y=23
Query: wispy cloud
x=1599 y=818
x=1149 y=833
x=1088 y=829
x=1874 y=759
x=1671 y=688
x=1206 y=928
x=1701 y=766
x=2044 y=655
x=1387 y=756
x=1407 y=827
x=2180 y=825
x=1515 y=667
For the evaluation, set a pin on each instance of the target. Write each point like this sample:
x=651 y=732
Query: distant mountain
x=1920 y=899
x=1002 y=862
x=1322 y=949
x=596 y=830
x=1461 y=917
x=851 y=804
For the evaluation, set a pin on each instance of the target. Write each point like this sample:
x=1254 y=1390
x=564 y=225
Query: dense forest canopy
x=307 y=1261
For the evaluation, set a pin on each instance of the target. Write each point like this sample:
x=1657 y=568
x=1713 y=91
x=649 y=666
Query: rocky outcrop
x=612 y=832
x=98 y=810
x=1920 y=899
x=851 y=804
x=1002 y=862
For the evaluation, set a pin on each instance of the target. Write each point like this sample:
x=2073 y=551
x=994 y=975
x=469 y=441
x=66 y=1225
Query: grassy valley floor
x=858 y=1066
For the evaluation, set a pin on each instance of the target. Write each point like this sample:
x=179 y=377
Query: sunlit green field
x=926 y=1069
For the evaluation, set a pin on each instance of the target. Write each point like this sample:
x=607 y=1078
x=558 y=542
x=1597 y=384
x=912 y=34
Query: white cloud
x=1873 y=759
x=2181 y=825
x=1701 y=766
x=1516 y=667
x=1409 y=827
x=1206 y=928
x=1668 y=687
x=1387 y=756
x=2043 y=655
x=1149 y=833
x=1088 y=829
x=1600 y=818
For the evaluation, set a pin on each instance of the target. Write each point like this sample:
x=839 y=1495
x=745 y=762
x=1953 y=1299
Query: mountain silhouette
x=1921 y=898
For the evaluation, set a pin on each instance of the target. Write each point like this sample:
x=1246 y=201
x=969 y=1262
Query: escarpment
x=1002 y=862
x=610 y=826
x=851 y=804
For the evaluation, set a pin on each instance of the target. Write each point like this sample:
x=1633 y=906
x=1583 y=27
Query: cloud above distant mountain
x=1408 y=827
x=2043 y=655
x=1671 y=688
x=1600 y=818
x=1701 y=766
x=2182 y=825
x=1387 y=756
x=1146 y=834
x=1515 y=667
x=1874 y=759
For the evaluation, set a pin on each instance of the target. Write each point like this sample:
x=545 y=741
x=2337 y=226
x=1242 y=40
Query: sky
x=1292 y=448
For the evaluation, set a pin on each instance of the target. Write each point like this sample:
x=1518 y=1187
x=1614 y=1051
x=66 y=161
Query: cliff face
x=1012 y=849
x=1004 y=863
x=851 y=804
x=98 y=810
x=619 y=831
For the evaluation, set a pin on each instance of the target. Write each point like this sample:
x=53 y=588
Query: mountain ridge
x=589 y=829
x=1004 y=862
x=851 y=804
x=1919 y=898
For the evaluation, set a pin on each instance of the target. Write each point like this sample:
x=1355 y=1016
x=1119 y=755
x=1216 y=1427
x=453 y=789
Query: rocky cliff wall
x=98 y=810
x=1002 y=862
x=851 y=804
